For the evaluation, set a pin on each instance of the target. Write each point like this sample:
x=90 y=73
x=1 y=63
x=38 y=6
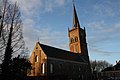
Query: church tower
x=77 y=36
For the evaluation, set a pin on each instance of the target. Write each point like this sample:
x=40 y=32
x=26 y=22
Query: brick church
x=52 y=62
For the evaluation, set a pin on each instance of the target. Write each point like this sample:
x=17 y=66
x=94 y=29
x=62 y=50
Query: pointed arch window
x=72 y=40
x=51 y=68
x=76 y=39
x=43 y=68
x=79 y=68
x=36 y=58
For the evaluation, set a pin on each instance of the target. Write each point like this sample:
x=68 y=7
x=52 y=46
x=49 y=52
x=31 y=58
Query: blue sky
x=49 y=20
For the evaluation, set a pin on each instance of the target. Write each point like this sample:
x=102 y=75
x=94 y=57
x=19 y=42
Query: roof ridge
x=57 y=48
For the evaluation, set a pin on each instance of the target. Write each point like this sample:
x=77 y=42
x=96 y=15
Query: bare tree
x=99 y=65
x=10 y=27
x=11 y=39
x=3 y=11
x=24 y=53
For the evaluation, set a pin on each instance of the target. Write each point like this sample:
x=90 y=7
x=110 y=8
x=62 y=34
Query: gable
x=39 y=53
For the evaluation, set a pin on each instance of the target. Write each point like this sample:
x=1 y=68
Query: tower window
x=76 y=39
x=36 y=58
x=72 y=40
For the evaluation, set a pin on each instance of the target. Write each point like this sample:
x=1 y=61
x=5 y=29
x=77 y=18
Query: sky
x=48 y=22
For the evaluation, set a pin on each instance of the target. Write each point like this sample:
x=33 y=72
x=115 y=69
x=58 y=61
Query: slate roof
x=108 y=69
x=61 y=54
x=115 y=67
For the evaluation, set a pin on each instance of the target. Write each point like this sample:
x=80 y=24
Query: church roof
x=113 y=68
x=61 y=54
x=108 y=69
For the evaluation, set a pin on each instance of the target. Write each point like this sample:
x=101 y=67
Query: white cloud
x=32 y=8
x=47 y=36
x=117 y=26
x=102 y=51
x=29 y=7
x=103 y=28
x=50 y=37
x=105 y=8
x=103 y=34
x=96 y=25
x=51 y=4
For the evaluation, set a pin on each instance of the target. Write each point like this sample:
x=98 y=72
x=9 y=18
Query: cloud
x=101 y=34
x=96 y=26
x=47 y=36
x=103 y=27
x=28 y=6
x=51 y=4
x=103 y=30
x=102 y=51
x=117 y=26
x=107 y=8
x=32 y=9
x=50 y=37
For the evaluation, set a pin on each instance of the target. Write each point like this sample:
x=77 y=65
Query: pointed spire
x=75 y=18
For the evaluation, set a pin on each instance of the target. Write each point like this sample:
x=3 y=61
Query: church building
x=52 y=62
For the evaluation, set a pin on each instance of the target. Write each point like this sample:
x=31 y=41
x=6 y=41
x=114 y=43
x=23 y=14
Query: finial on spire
x=38 y=39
